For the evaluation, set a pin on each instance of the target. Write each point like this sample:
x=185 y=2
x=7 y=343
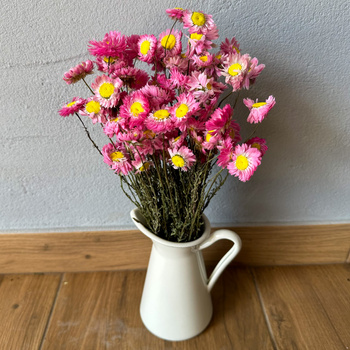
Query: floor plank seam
x=51 y=312
x=267 y=321
x=329 y=319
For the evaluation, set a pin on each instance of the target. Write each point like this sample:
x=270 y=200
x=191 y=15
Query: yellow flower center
x=144 y=48
x=234 y=69
x=110 y=60
x=117 y=156
x=235 y=48
x=256 y=145
x=198 y=18
x=149 y=134
x=209 y=86
x=93 y=107
x=204 y=58
x=218 y=57
x=242 y=162
x=168 y=41
x=196 y=36
x=209 y=135
x=181 y=111
x=178 y=161
x=144 y=166
x=136 y=108
x=258 y=104
x=71 y=104
x=106 y=90
x=161 y=114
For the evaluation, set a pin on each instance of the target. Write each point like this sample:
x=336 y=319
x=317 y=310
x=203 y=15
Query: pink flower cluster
x=175 y=115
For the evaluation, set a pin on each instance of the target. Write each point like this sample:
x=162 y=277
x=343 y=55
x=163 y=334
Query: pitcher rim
x=136 y=214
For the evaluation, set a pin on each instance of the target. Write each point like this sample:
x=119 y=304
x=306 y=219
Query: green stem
x=88 y=134
x=88 y=86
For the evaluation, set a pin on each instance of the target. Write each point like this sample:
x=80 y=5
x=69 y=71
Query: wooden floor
x=304 y=307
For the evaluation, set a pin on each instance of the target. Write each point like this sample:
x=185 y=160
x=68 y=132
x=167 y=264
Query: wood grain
x=101 y=311
x=307 y=307
x=25 y=305
x=119 y=250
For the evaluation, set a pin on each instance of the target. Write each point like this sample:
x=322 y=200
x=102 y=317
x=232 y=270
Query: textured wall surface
x=51 y=177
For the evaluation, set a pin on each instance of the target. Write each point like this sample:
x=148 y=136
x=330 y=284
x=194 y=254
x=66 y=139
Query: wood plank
x=119 y=250
x=25 y=305
x=101 y=311
x=307 y=307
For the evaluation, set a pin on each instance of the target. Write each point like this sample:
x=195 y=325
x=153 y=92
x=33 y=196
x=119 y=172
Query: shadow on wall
x=302 y=176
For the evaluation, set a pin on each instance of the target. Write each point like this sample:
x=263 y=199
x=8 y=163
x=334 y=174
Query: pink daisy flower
x=181 y=158
x=179 y=62
x=229 y=47
x=211 y=139
x=183 y=109
x=130 y=76
x=170 y=43
x=75 y=106
x=204 y=88
x=132 y=49
x=198 y=43
x=175 y=13
x=220 y=119
x=131 y=136
x=108 y=64
x=226 y=153
x=204 y=60
x=235 y=70
x=198 y=22
x=135 y=109
x=147 y=45
x=157 y=96
x=254 y=71
x=112 y=127
x=159 y=121
x=78 y=72
x=245 y=160
x=94 y=111
x=117 y=158
x=107 y=90
x=141 y=164
x=112 y=45
x=258 y=110
x=177 y=79
x=258 y=143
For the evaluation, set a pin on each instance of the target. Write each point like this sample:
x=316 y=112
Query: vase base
x=181 y=335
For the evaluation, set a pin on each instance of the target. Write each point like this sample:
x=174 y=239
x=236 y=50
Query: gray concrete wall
x=50 y=176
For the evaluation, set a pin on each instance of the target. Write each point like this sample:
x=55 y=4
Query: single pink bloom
x=78 y=72
x=112 y=45
x=75 y=106
x=258 y=143
x=220 y=120
x=169 y=43
x=245 y=160
x=175 y=13
x=258 y=110
x=117 y=158
x=198 y=22
x=147 y=46
x=228 y=47
x=181 y=158
x=107 y=90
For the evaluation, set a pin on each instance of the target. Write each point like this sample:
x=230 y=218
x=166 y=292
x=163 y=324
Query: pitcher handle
x=227 y=258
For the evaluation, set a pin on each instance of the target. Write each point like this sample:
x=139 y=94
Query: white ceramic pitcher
x=176 y=302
